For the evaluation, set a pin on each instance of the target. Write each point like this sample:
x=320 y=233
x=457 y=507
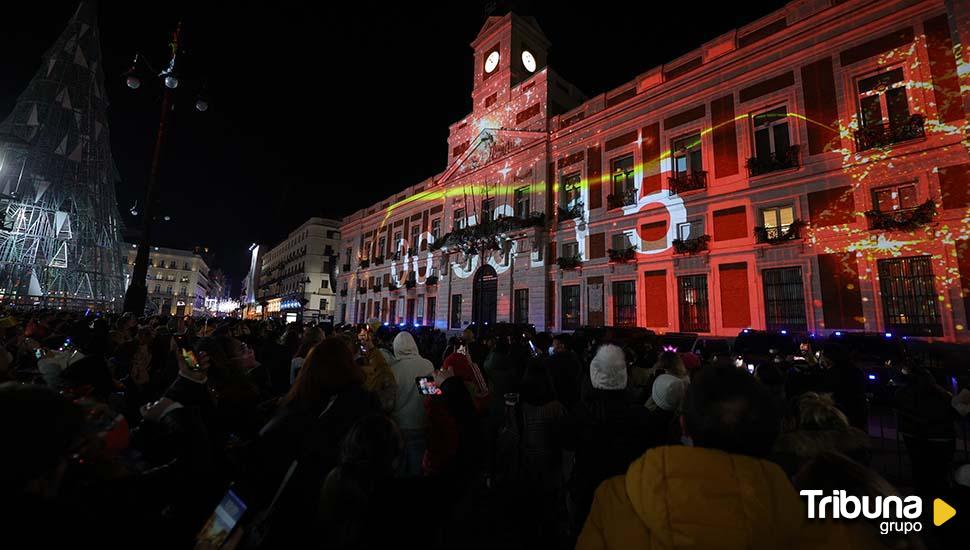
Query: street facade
x=807 y=172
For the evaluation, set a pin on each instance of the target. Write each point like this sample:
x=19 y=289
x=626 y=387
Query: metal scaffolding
x=60 y=240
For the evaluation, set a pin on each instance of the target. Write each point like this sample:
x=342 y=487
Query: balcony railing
x=362 y=290
x=906 y=219
x=345 y=268
x=779 y=234
x=365 y=263
x=881 y=135
x=691 y=246
x=343 y=291
x=619 y=200
x=777 y=160
x=486 y=236
x=411 y=282
x=567 y=263
x=376 y=288
x=570 y=212
x=431 y=281
x=378 y=260
x=687 y=181
x=622 y=255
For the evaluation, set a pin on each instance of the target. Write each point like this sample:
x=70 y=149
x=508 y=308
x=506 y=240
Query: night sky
x=316 y=110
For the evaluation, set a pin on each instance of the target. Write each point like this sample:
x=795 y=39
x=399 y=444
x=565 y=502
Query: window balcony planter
x=686 y=182
x=343 y=292
x=567 y=263
x=570 y=213
x=881 y=135
x=376 y=288
x=780 y=234
x=364 y=264
x=431 y=281
x=396 y=256
x=907 y=219
x=691 y=246
x=378 y=260
x=362 y=290
x=619 y=200
x=777 y=161
x=392 y=287
x=345 y=268
x=622 y=256
x=411 y=283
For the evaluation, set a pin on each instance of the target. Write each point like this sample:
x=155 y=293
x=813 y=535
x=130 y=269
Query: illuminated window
x=909 y=297
x=570 y=250
x=571 y=191
x=692 y=298
x=771 y=137
x=459 y=221
x=625 y=304
x=522 y=205
x=687 y=157
x=570 y=307
x=896 y=197
x=420 y=314
x=778 y=217
x=882 y=99
x=690 y=229
x=621 y=172
x=398 y=241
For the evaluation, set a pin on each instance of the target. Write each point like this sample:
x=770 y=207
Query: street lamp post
x=137 y=292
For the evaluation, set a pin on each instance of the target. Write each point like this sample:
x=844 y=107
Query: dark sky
x=317 y=110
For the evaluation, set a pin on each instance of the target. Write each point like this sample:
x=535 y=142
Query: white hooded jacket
x=409 y=407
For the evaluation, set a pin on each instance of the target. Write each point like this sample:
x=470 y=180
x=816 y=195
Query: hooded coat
x=693 y=497
x=408 y=364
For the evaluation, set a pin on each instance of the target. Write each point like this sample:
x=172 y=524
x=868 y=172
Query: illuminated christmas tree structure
x=60 y=242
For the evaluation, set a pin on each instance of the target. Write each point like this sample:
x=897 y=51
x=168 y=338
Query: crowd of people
x=126 y=431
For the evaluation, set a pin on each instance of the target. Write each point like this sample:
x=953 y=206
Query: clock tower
x=508 y=50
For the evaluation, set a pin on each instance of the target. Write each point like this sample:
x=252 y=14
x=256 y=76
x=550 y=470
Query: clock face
x=491 y=62
x=528 y=61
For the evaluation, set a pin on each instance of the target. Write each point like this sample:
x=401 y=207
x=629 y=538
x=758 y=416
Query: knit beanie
x=607 y=370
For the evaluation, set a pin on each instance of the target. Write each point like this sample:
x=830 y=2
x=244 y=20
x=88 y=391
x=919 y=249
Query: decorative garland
x=487 y=236
x=567 y=263
x=622 y=256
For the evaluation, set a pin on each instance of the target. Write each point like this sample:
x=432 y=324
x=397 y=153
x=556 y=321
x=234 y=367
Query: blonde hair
x=819 y=412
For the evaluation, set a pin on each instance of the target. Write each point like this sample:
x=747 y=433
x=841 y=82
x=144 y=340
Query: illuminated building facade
x=807 y=172
x=178 y=280
x=293 y=279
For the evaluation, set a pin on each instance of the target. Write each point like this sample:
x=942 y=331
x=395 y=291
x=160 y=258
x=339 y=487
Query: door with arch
x=484 y=295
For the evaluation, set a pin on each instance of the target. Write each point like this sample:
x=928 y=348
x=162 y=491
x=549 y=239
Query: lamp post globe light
x=137 y=293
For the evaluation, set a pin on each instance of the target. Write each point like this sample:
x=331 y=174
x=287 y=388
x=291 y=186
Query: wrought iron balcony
x=691 y=246
x=365 y=263
x=345 y=268
x=779 y=234
x=881 y=135
x=378 y=260
x=619 y=200
x=623 y=255
x=343 y=291
x=570 y=212
x=906 y=219
x=431 y=281
x=362 y=290
x=685 y=182
x=567 y=263
x=376 y=288
x=486 y=236
x=778 y=160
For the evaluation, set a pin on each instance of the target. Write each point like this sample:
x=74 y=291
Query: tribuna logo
x=903 y=510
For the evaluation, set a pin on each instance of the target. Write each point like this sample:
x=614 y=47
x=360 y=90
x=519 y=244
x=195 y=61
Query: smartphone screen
x=38 y=354
x=190 y=360
x=223 y=520
x=751 y=368
x=427 y=386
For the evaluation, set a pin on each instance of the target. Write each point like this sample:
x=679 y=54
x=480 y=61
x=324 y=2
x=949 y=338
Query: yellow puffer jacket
x=691 y=497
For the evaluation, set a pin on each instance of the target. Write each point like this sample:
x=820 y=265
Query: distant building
x=295 y=277
x=178 y=280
